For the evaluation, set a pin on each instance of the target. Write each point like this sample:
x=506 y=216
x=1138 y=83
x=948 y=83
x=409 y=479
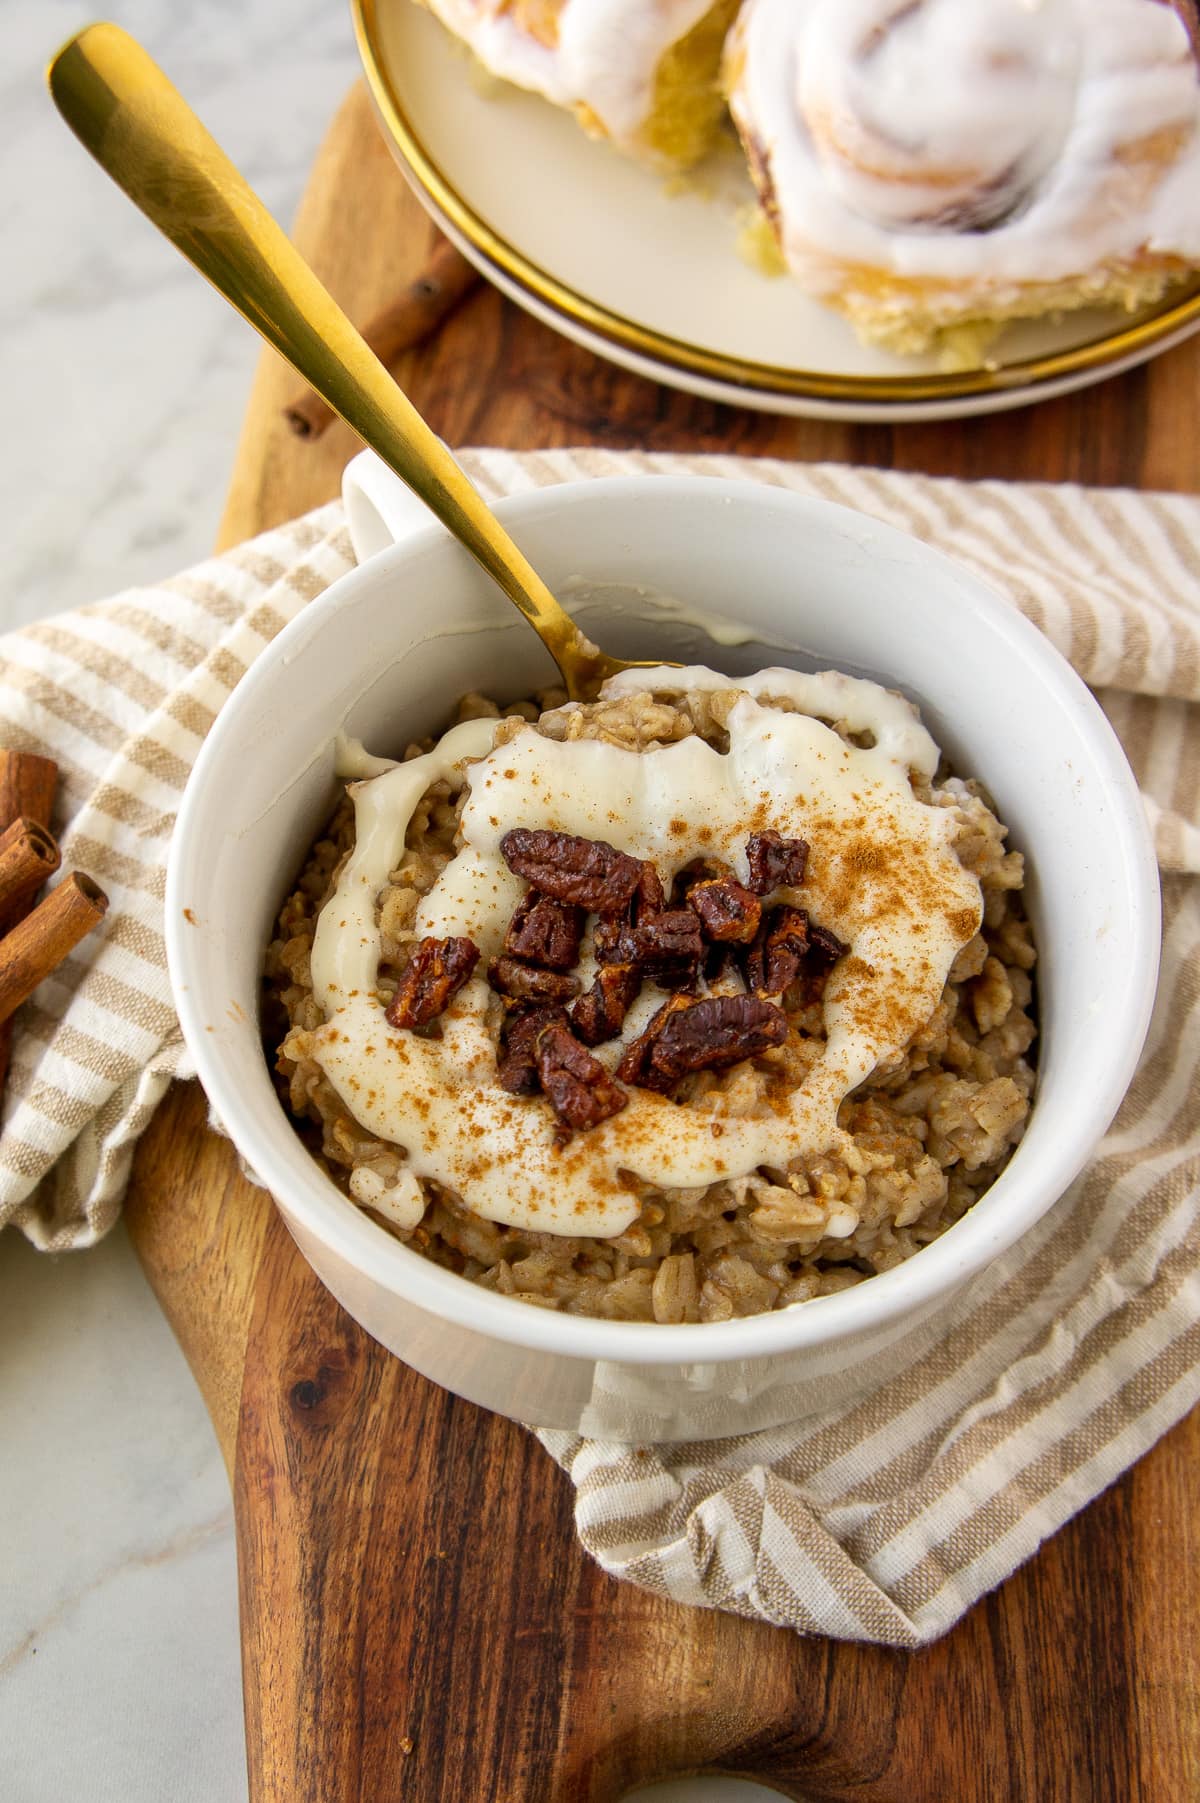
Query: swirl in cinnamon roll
x=644 y=73
x=925 y=163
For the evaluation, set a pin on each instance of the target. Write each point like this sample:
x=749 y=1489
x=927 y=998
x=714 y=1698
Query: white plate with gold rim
x=647 y=272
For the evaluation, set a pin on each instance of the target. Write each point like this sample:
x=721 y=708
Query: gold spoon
x=140 y=130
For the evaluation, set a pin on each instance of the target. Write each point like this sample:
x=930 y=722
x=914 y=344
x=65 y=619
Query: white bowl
x=384 y=653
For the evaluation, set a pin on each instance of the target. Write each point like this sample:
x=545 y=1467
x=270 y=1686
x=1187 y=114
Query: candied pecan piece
x=610 y=942
x=649 y=897
x=517 y=1071
x=588 y=872
x=529 y=983
x=728 y=899
x=580 y=1090
x=681 y=979
x=778 y=954
x=666 y=947
x=728 y=912
x=545 y=931
x=664 y=942
x=720 y=963
x=718 y=1031
x=824 y=950
x=436 y=972
x=700 y=870
x=788 y=945
x=825 y=947
x=775 y=862
x=659 y=942
x=634 y=1066
x=600 y=1011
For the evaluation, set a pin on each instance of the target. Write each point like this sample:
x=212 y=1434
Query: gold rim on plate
x=1136 y=340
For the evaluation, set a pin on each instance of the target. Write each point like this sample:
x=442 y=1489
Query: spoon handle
x=142 y=132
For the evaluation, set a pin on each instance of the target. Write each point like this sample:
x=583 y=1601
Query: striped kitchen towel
x=885 y=1520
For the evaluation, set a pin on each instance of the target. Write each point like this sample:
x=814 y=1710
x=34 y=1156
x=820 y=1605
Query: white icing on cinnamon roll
x=599 y=57
x=926 y=161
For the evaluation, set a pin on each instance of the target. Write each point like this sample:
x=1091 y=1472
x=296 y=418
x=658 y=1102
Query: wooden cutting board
x=417 y=1618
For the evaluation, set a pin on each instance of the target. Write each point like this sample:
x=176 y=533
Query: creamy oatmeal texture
x=896 y=1097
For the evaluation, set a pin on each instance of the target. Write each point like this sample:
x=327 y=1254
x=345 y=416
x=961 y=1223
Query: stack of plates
x=647 y=273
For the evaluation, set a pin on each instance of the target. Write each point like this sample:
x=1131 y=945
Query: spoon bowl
x=142 y=132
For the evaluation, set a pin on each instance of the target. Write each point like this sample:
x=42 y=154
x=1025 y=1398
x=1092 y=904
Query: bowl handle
x=380 y=509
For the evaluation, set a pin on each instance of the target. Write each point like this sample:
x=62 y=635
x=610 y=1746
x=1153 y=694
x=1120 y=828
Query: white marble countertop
x=126 y=377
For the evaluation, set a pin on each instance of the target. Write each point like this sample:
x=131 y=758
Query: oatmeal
x=698 y=1000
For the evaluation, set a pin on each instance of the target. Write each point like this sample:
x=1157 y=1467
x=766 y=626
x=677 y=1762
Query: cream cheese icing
x=891 y=133
x=606 y=57
x=882 y=873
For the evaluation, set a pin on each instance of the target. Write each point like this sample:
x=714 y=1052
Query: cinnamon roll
x=644 y=73
x=935 y=167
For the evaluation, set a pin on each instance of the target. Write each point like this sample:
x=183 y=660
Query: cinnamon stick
x=28 y=784
x=39 y=944
x=417 y=313
x=28 y=857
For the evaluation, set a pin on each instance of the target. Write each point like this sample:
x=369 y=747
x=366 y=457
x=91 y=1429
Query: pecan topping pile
x=709 y=925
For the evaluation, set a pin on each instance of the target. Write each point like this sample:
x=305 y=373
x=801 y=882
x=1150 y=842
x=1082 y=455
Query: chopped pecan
x=666 y=946
x=599 y=1013
x=529 y=983
x=789 y=946
x=728 y=907
x=720 y=964
x=824 y=950
x=649 y=897
x=728 y=912
x=826 y=947
x=580 y=1090
x=775 y=862
x=545 y=931
x=587 y=872
x=663 y=942
x=517 y=1071
x=713 y=1033
x=436 y=971
x=610 y=941
x=683 y=979
x=634 y=1066
x=778 y=954
x=700 y=870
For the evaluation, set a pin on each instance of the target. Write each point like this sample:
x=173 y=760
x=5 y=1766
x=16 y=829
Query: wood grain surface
x=418 y=1621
